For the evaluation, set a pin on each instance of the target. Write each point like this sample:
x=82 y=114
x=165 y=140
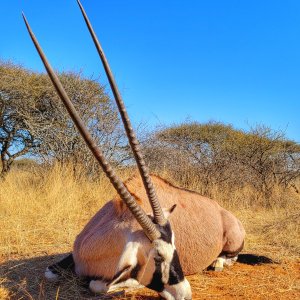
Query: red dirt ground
x=23 y=280
x=270 y=281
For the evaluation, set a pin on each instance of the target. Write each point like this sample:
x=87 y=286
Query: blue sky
x=236 y=62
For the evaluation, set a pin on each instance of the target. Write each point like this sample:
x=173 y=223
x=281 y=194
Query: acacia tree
x=220 y=155
x=34 y=122
x=267 y=157
x=193 y=148
x=16 y=138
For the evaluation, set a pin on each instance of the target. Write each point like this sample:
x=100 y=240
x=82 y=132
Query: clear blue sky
x=232 y=61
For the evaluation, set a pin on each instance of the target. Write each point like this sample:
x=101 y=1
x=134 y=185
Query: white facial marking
x=179 y=291
x=50 y=276
x=166 y=251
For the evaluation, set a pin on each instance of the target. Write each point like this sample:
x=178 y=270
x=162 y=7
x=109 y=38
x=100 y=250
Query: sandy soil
x=22 y=279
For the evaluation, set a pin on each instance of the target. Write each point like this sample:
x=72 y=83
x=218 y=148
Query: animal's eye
x=159 y=257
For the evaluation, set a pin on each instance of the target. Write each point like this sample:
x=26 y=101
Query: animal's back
x=196 y=222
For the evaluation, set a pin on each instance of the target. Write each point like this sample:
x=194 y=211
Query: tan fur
x=203 y=229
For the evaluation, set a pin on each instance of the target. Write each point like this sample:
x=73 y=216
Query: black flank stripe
x=135 y=271
x=65 y=264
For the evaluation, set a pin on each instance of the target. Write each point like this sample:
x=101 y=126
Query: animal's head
x=159 y=263
x=168 y=278
x=154 y=264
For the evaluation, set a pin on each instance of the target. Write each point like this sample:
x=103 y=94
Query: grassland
x=42 y=210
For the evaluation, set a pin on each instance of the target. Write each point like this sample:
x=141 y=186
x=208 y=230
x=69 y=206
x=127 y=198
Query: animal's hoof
x=51 y=276
x=98 y=287
x=230 y=261
x=218 y=264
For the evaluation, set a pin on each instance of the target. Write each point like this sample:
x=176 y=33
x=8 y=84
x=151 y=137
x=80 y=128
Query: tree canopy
x=33 y=120
x=220 y=154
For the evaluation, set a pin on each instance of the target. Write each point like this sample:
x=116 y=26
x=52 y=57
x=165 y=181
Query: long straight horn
x=145 y=222
x=134 y=144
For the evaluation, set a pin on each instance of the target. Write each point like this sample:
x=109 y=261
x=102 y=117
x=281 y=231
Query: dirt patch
x=22 y=279
x=275 y=281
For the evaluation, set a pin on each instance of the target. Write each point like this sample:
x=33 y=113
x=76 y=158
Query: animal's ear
x=167 y=212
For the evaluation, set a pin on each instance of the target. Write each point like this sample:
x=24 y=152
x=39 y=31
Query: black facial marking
x=156 y=283
x=66 y=263
x=176 y=273
x=166 y=232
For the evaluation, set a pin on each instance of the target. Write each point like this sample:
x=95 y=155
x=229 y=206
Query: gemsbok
x=124 y=245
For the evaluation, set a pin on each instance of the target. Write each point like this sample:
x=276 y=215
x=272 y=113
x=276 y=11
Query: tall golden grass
x=42 y=211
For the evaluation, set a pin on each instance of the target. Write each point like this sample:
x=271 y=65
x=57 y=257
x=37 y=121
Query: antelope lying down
x=122 y=245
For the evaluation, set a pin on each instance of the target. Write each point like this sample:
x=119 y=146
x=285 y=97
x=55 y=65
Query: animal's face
x=164 y=264
x=156 y=264
x=160 y=268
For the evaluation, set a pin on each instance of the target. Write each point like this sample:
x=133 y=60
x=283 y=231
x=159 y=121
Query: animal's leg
x=222 y=261
x=130 y=283
x=218 y=264
x=53 y=272
x=100 y=287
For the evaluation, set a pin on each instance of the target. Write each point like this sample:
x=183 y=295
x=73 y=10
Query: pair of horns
x=148 y=226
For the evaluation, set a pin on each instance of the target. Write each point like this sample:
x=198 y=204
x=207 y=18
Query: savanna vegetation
x=50 y=187
x=33 y=121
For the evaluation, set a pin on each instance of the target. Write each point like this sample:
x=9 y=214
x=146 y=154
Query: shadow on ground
x=253 y=260
x=23 y=278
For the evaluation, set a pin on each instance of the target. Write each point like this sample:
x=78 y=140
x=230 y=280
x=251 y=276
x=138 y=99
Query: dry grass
x=42 y=212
